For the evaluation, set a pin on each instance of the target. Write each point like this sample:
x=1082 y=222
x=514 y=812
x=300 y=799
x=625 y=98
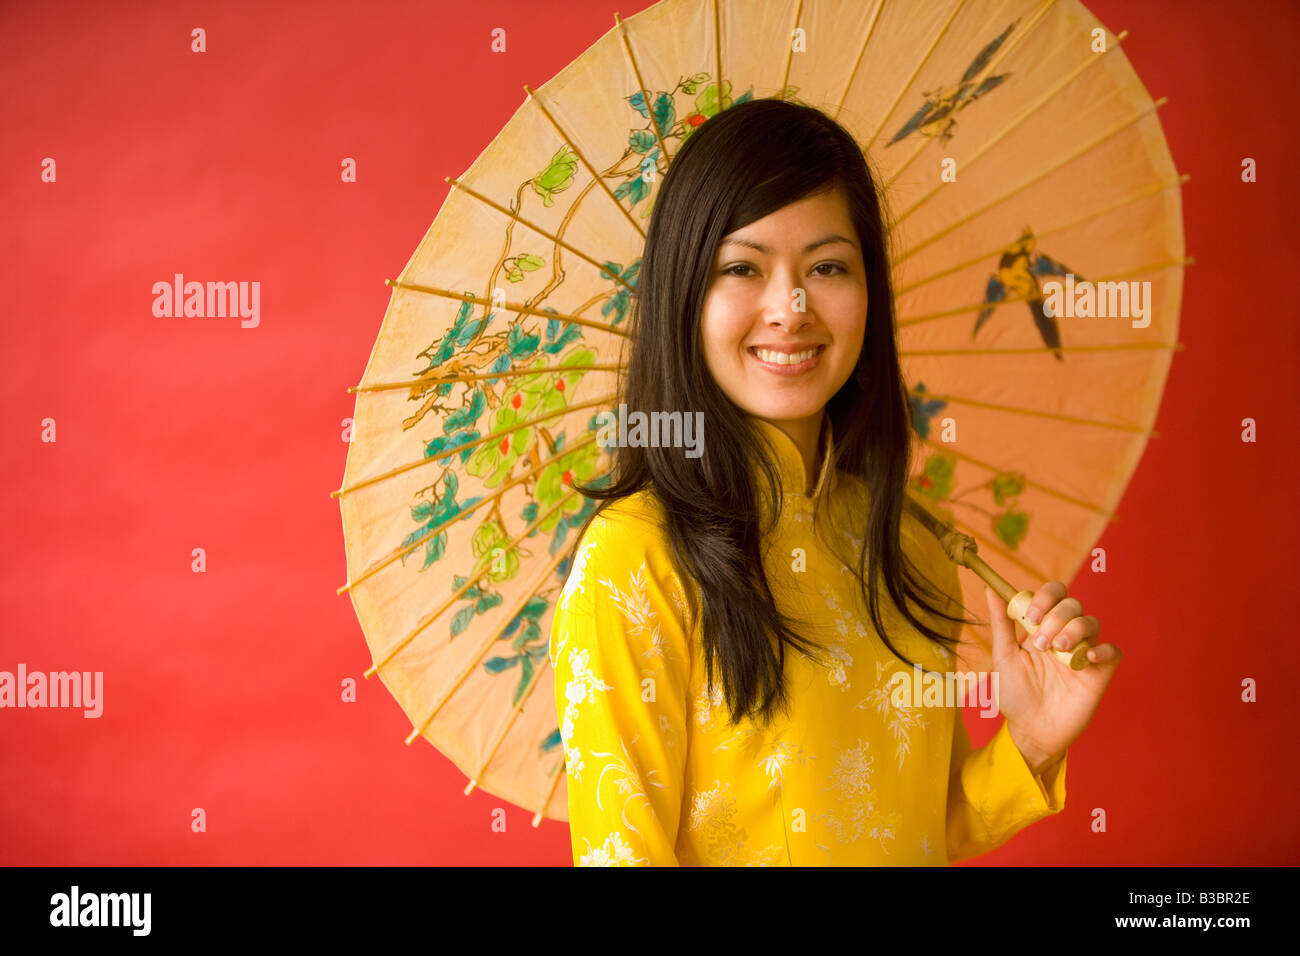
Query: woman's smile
x=784 y=361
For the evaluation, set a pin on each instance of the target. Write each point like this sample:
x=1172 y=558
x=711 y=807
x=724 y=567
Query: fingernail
x=1040 y=642
x=1060 y=643
x=1035 y=615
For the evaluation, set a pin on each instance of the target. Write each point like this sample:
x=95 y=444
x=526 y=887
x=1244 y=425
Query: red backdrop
x=223 y=688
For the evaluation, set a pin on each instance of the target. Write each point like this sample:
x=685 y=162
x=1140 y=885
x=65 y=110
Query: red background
x=223 y=689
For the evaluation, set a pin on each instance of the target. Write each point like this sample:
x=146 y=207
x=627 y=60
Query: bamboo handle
x=961 y=548
x=1076 y=658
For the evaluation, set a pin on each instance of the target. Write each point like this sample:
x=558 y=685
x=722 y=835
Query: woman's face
x=755 y=320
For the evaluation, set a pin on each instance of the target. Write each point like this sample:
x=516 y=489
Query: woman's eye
x=835 y=266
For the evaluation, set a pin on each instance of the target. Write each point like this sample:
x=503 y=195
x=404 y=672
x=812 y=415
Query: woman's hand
x=1046 y=704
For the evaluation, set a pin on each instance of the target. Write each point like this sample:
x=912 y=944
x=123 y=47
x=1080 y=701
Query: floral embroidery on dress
x=613 y=852
x=901 y=720
x=779 y=756
x=577 y=573
x=926 y=848
x=711 y=815
x=857 y=814
x=837 y=672
x=580 y=689
x=628 y=781
x=706 y=702
x=636 y=610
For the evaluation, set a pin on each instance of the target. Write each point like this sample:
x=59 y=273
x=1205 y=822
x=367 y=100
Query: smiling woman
x=724 y=646
x=783 y=327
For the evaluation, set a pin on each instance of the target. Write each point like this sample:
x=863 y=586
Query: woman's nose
x=787 y=306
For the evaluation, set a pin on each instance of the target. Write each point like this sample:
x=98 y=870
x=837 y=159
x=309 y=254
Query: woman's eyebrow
x=816 y=243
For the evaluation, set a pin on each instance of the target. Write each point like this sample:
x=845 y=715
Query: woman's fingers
x=1076 y=629
x=1104 y=654
x=1004 y=629
x=1045 y=598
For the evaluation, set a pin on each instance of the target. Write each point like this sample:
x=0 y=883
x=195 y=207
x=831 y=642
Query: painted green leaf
x=520 y=343
x=500 y=566
x=707 y=101
x=526 y=674
x=1011 y=528
x=692 y=83
x=435 y=549
x=637 y=102
x=462 y=620
x=642 y=140
x=936 y=478
x=466 y=415
x=557 y=177
x=665 y=113
x=1008 y=484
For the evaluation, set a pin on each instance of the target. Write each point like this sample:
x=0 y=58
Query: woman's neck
x=806 y=434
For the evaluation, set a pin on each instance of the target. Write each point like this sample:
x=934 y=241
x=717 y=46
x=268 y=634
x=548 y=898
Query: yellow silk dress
x=851 y=776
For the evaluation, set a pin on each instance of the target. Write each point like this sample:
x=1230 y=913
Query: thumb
x=1004 y=629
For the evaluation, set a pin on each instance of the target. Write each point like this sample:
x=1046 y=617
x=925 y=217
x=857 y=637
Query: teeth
x=786 y=358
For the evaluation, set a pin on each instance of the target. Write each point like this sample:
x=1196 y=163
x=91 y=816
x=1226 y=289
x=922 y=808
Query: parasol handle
x=962 y=550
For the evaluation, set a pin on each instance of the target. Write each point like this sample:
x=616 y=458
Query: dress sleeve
x=619 y=647
x=993 y=795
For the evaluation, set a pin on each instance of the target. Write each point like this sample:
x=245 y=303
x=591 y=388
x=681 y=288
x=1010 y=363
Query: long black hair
x=741 y=165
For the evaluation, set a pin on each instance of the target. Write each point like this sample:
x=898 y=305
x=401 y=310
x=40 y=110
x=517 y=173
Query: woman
x=735 y=623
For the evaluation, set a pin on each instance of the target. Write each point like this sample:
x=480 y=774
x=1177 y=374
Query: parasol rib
x=402 y=469
x=717 y=56
x=577 y=152
x=871 y=29
x=1060 y=495
x=540 y=231
x=1087 y=217
x=915 y=73
x=508 y=373
x=1054 y=416
x=1113 y=131
x=550 y=794
x=1034 y=19
x=460 y=515
x=789 y=47
x=505 y=730
x=645 y=93
x=474 y=662
x=508 y=306
x=984 y=303
x=967 y=163
x=469 y=583
x=1037 y=349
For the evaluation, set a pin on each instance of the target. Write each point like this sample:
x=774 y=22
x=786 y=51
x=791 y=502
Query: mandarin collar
x=789 y=462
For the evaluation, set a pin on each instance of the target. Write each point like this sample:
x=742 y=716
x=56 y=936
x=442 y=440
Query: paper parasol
x=1018 y=149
